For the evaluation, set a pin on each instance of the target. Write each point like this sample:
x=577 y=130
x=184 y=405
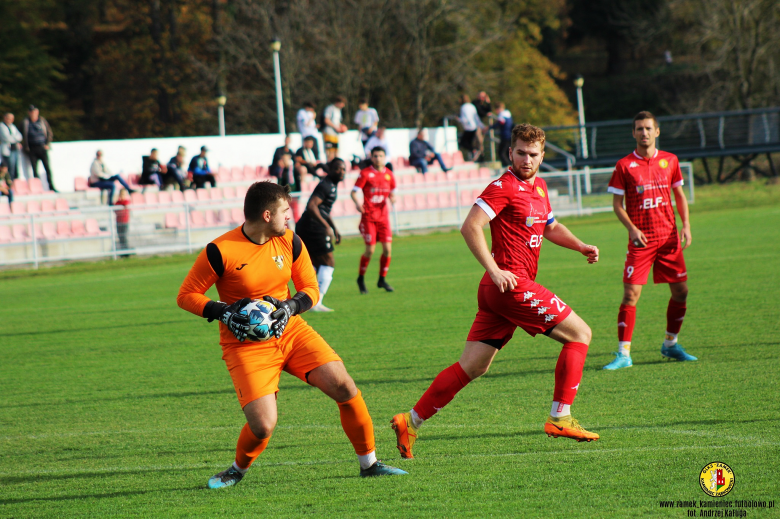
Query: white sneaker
x=319 y=307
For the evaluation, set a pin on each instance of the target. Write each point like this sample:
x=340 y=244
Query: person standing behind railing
x=123 y=220
x=6 y=183
x=10 y=144
x=37 y=140
x=504 y=125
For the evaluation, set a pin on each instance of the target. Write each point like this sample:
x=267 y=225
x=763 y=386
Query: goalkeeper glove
x=229 y=315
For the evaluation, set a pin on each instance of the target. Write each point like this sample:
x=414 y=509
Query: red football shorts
x=529 y=306
x=666 y=258
x=373 y=232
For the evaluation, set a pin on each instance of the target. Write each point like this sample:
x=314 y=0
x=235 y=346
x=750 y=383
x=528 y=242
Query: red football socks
x=357 y=423
x=364 y=261
x=568 y=371
x=249 y=447
x=626 y=321
x=675 y=313
x=441 y=392
x=384 y=265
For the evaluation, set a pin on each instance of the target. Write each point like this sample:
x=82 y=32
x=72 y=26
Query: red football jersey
x=647 y=186
x=518 y=213
x=376 y=188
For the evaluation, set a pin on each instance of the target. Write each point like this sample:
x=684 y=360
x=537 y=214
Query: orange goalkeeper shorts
x=255 y=367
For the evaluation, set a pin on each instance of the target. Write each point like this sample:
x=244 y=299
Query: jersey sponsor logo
x=633 y=165
x=549 y=317
x=540 y=191
x=528 y=295
x=242 y=266
x=650 y=203
x=498 y=183
x=663 y=163
x=535 y=303
x=279 y=260
x=530 y=221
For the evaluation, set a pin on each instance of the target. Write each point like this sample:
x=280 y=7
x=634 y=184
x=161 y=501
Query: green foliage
x=116 y=402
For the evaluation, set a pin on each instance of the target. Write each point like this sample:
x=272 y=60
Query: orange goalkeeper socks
x=249 y=447
x=357 y=424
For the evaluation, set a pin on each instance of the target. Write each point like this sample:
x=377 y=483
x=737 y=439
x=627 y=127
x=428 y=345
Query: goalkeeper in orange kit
x=257 y=261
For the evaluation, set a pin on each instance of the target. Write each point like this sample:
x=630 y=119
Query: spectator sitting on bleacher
x=421 y=153
x=377 y=141
x=151 y=171
x=277 y=164
x=367 y=120
x=307 y=160
x=6 y=182
x=175 y=173
x=504 y=125
x=199 y=167
x=100 y=176
x=307 y=120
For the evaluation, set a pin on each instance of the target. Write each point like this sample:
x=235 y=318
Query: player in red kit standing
x=646 y=179
x=517 y=206
x=378 y=185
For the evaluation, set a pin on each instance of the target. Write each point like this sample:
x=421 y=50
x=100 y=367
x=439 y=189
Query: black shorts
x=316 y=239
x=468 y=140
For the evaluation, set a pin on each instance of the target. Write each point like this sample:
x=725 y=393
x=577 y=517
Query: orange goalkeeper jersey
x=241 y=268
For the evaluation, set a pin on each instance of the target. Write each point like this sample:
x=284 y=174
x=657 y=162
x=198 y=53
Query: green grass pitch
x=116 y=403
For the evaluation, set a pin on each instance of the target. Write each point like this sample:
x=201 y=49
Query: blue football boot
x=676 y=352
x=226 y=478
x=621 y=361
x=380 y=469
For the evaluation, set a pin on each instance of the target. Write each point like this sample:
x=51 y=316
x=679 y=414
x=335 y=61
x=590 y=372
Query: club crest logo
x=640 y=189
x=529 y=221
x=716 y=479
x=663 y=163
x=540 y=191
x=387 y=177
x=279 y=260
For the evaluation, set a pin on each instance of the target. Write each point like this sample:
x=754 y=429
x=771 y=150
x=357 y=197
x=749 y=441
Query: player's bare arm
x=636 y=236
x=682 y=209
x=355 y=199
x=560 y=235
x=475 y=239
x=313 y=206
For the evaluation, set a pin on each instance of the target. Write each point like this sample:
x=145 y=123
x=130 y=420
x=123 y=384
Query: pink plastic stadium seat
x=77 y=228
x=404 y=179
x=241 y=193
x=47 y=206
x=237 y=216
x=190 y=196
x=432 y=200
x=80 y=184
x=152 y=198
x=33 y=207
x=224 y=217
x=5 y=234
x=63 y=228
x=172 y=221
x=457 y=158
x=61 y=205
x=484 y=172
x=197 y=219
x=215 y=193
x=250 y=173
x=49 y=230
x=444 y=199
x=164 y=198
x=222 y=171
x=92 y=228
x=211 y=221
x=18 y=207
x=409 y=203
x=19 y=232
x=203 y=195
x=419 y=178
x=338 y=208
x=420 y=201
x=237 y=173
x=137 y=199
x=262 y=172
x=5 y=209
x=177 y=197
x=21 y=187
x=228 y=193
x=453 y=199
x=183 y=220
x=36 y=186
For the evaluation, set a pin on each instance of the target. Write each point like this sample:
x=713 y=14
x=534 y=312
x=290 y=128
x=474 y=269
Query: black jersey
x=325 y=191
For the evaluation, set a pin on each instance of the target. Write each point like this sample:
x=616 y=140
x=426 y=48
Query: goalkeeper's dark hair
x=263 y=196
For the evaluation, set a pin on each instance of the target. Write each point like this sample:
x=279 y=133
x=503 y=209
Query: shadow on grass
x=96 y=496
x=91 y=328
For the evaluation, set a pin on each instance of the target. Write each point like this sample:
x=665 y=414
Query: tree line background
x=103 y=69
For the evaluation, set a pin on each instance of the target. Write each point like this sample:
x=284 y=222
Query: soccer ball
x=260 y=320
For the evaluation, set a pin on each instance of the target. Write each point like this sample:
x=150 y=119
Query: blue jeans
x=422 y=163
x=107 y=184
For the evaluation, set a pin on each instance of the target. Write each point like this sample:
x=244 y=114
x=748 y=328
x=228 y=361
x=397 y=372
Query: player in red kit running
x=378 y=185
x=646 y=179
x=517 y=206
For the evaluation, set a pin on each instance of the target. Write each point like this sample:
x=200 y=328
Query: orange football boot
x=568 y=427
x=405 y=433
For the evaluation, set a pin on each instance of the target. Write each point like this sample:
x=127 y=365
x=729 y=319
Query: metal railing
x=150 y=230
x=688 y=136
